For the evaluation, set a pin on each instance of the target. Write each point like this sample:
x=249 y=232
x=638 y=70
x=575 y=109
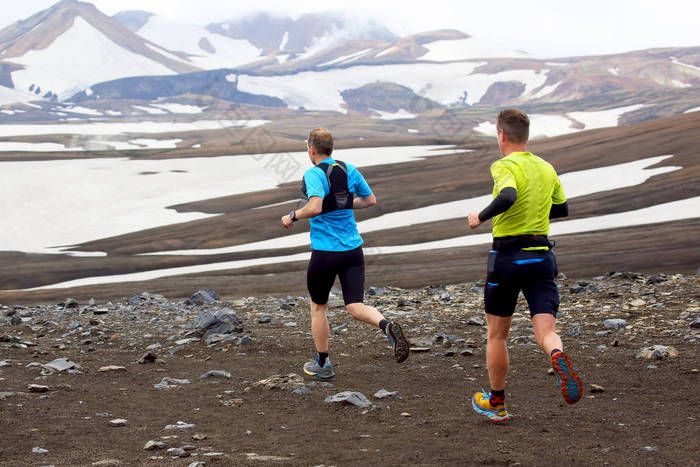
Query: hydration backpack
x=339 y=196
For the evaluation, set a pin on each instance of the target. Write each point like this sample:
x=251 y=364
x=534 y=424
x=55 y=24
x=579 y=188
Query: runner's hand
x=473 y=220
x=287 y=222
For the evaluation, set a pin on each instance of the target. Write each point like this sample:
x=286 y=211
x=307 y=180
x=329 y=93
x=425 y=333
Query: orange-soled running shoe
x=571 y=385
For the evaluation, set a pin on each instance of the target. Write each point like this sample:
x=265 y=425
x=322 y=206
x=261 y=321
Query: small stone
x=288 y=382
x=180 y=426
x=203 y=297
x=476 y=321
x=649 y=449
x=550 y=371
x=615 y=323
x=695 y=323
x=302 y=391
x=466 y=353
x=38 y=450
x=199 y=437
x=197 y=464
x=60 y=364
x=117 y=422
x=652 y=367
x=596 y=388
x=658 y=352
x=154 y=445
x=405 y=414
x=38 y=388
x=105 y=369
x=178 y=452
x=71 y=303
x=108 y=462
x=6 y=395
x=215 y=374
x=638 y=302
x=264 y=318
x=383 y=394
x=349 y=397
x=168 y=382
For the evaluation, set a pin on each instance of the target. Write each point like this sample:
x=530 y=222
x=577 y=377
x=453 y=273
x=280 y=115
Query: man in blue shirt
x=336 y=247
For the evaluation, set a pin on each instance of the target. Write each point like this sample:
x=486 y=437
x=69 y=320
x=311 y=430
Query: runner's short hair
x=515 y=124
x=322 y=141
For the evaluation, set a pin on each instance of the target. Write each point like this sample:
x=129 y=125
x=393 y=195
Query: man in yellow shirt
x=527 y=193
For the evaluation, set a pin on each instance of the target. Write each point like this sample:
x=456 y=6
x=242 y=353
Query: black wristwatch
x=292 y=216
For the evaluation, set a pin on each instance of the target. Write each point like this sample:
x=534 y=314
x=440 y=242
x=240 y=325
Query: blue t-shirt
x=336 y=230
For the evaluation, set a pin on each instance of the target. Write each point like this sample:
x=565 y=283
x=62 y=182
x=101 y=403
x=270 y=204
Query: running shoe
x=312 y=368
x=571 y=385
x=481 y=402
x=397 y=340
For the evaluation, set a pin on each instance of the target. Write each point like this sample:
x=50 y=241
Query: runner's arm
x=311 y=209
x=559 y=210
x=500 y=204
x=361 y=203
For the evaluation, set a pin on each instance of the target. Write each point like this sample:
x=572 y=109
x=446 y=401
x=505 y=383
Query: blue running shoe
x=481 y=403
x=312 y=368
x=571 y=385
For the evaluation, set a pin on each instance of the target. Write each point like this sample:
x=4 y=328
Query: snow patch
x=614 y=71
x=179 y=108
x=83 y=110
x=463 y=49
x=149 y=110
x=547 y=89
x=603 y=118
x=346 y=58
x=694 y=109
x=105 y=128
x=680 y=84
x=285 y=40
x=675 y=61
x=400 y=114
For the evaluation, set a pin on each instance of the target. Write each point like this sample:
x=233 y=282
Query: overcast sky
x=544 y=28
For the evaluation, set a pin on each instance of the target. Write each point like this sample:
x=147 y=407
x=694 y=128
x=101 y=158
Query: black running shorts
x=532 y=271
x=325 y=265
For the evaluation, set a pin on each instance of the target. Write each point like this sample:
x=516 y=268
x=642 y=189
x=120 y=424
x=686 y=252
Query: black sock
x=554 y=351
x=497 y=397
x=322 y=356
x=383 y=324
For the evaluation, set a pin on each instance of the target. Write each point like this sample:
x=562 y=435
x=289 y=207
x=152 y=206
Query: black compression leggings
x=324 y=266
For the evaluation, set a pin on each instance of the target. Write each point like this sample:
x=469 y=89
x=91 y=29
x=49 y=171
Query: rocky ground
x=212 y=381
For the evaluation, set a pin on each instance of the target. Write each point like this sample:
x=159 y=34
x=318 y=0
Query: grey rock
x=349 y=397
x=203 y=297
x=198 y=463
x=178 y=452
x=576 y=288
x=118 y=422
x=467 y=353
x=155 y=346
x=616 y=323
x=223 y=321
x=340 y=328
x=264 y=318
x=245 y=340
x=476 y=321
x=378 y=291
x=16 y=320
x=6 y=395
x=154 y=445
x=186 y=341
x=167 y=383
x=180 y=426
x=302 y=391
x=695 y=323
x=71 y=303
x=215 y=374
x=107 y=463
x=288 y=382
x=602 y=348
x=658 y=352
x=383 y=394
x=38 y=450
x=649 y=449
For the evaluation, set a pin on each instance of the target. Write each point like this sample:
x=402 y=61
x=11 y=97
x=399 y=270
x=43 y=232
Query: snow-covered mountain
x=204 y=49
x=72 y=45
x=316 y=62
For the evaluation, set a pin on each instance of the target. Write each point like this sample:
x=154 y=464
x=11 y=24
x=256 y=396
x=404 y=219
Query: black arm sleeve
x=500 y=204
x=559 y=210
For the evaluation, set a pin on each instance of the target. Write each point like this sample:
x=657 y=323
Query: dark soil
x=643 y=417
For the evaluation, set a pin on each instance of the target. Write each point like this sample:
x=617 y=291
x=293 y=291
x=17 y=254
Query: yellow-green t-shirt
x=537 y=185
